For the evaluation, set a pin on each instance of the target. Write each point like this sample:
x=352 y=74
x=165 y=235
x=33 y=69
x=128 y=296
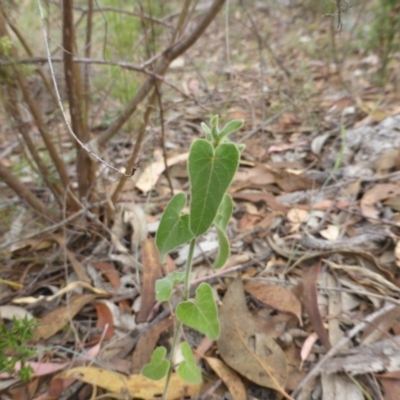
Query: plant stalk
x=186 y=293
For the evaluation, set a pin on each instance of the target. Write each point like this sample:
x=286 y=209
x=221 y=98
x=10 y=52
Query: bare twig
x=143 y=68
x=168 y=55
x=135 y=154
x=67 y=123
x=29 y=51
x=126 y=12
x=24 y=193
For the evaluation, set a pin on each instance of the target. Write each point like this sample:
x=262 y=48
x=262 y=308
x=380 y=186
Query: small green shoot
x=212 y=164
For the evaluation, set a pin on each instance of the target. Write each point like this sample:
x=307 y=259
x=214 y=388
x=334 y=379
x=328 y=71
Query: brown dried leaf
x=152 y=270
x=254 y=355
x=55 y=320
x=256 y=176
x=290 y=182
x=386 y=161
x=311 y=303
x=391 y=388
x=137 y=386
x=275 y=296
x=267 y=198
x=229 y=377
x=104 y=317
x=77 y=266
x=109 y=272
x=375 y=194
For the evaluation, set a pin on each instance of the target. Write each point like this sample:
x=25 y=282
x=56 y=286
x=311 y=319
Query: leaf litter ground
x=310 y=293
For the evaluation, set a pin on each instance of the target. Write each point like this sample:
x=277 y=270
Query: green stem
x=189 y=262
x=186 y=293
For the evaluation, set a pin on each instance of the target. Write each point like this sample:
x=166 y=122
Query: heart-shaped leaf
x=221 y=223
x=187 y=369
x=158 y=366
x=211 y=172
x=173 y=230
x=200 y=314
x=165 y=285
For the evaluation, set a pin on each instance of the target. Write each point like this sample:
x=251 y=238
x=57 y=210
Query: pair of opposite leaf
x=212 y=165
x=159 y=366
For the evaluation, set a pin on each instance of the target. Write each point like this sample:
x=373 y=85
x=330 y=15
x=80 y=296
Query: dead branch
x=85 y=165
x=168 y=55
x=25 y=194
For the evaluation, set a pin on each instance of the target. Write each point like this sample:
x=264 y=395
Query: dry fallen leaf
x=311 y=303
x=104 y=318
x=331 y=233
x=152 y=270
x=147 y=343
x=153 y=171
x=257 y=176
x=375 y=194
x=137 y=386
x=254 y=355
x=290 y=182
x=296 y=217
x=55 y=320
x=130 y=219
x=229 y=377
x=275 y=296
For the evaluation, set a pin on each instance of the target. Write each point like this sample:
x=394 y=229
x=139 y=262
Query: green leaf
x=230 y=127
x=158 y=366
x=173 y=230
x=187 y=369
x=221 y=222
x=200 y=314
x=207 y=131
x=211 y=172
x=165 y=285
x=214 y=126
x=224 y=212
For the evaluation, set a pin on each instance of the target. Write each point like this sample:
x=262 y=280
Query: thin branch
x=126 y=12
x=143 y=68
x=60 y=103
x=138 y=144
x=25 y=194
x=161 y=68
x=37 y=116
x=86 y=69
x=29 y=51
x=11 y=106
